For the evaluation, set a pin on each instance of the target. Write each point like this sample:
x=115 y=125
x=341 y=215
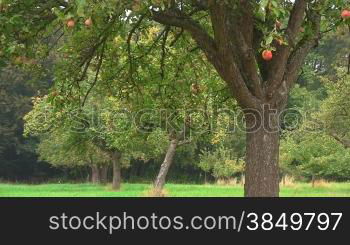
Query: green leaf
x=269 y=40
x=81 y=4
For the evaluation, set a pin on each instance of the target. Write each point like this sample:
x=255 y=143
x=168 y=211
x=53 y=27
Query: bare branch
x=99 y=65
x=131 y=33
x=163 y=56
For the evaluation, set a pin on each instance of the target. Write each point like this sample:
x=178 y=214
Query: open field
x=172 y=190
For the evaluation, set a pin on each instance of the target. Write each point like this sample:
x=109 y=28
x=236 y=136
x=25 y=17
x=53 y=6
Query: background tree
x=17 y=154
x=59 y=144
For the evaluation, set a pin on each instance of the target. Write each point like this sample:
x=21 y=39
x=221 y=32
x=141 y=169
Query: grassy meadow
x=172 y=190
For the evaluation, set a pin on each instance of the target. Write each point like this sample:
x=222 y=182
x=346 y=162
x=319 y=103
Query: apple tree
x=256 y=47
x=96 y=135
x=60 y=145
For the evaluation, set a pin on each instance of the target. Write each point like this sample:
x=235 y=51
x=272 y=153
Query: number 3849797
x=294 y=221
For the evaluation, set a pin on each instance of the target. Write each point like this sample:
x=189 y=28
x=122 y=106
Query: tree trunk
x=164 y=168
x=95 y=174
x=262 y=155
x=116 y=157
x=349 y=63
x=104 y=174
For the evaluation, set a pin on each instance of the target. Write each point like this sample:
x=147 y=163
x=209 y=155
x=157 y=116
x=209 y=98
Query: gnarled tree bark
x=262 y=154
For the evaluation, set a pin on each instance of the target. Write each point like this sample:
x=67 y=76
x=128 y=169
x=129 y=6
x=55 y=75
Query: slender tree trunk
x=262 y=155
x=95 y=174
x=104 y=174
x=116 y=157
x=164 y=168
x=242 y=179
x=349 y=63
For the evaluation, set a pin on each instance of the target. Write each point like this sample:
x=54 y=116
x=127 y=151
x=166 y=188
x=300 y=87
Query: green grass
x=172 y=190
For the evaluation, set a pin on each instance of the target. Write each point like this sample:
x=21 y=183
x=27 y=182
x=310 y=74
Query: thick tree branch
x=299 y=54
x=279 y=63
x=218 y=51
x=237 y=66
x=176 y=18
x=242 y=35
x=297 y=57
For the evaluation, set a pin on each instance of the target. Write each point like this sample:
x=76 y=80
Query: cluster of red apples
x=71 y=23
x=267 y=54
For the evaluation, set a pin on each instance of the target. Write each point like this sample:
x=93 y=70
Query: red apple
x=267 y=55
x=71 y=23
x=345 y=14
x=88 y=22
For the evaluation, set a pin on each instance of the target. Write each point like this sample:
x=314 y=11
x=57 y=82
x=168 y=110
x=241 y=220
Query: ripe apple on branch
x=267 y=55
x=88 y=22
x=345 y=14
x=70 y=23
